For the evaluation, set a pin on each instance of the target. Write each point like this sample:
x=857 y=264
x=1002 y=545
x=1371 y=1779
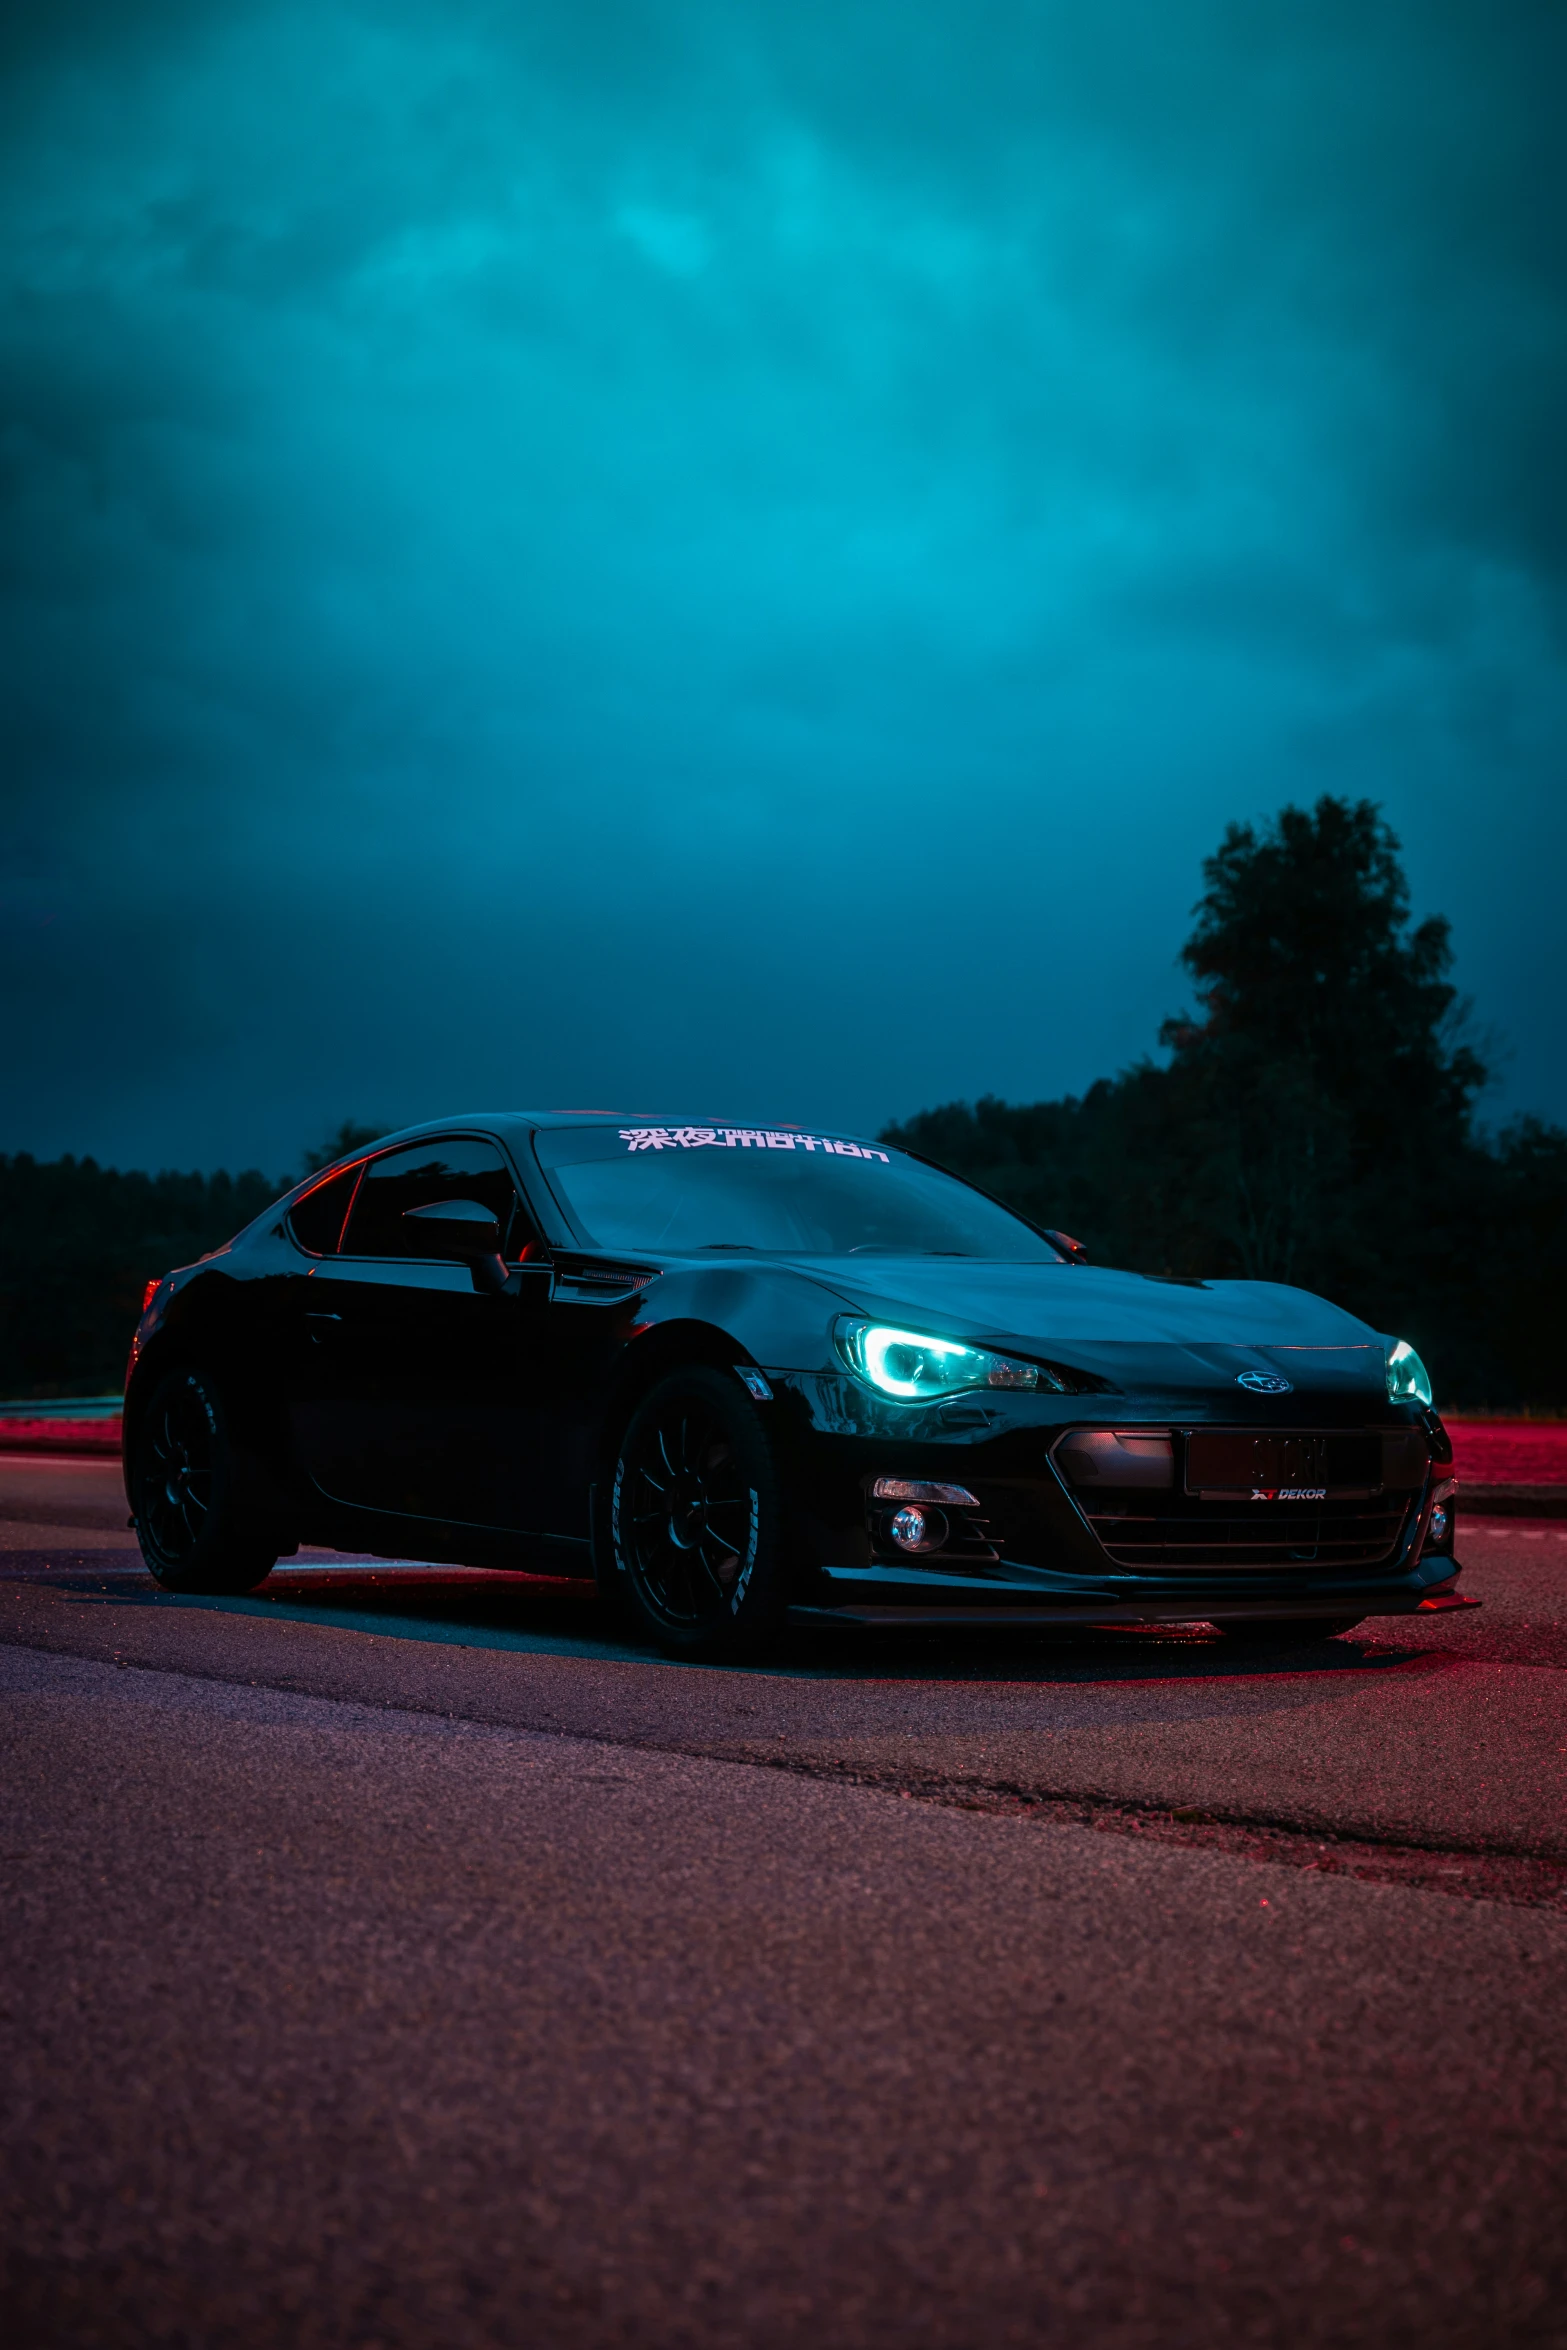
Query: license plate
x=1284 y=1466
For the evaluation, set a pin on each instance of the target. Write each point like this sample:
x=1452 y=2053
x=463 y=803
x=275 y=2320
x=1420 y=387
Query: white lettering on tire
x=614 y=1516
x=752 y=1540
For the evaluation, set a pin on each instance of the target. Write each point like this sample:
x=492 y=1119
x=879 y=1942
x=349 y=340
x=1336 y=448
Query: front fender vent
x=595 y=1281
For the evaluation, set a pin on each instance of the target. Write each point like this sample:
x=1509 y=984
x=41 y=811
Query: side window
x=316 y=1221
x=450 y=1167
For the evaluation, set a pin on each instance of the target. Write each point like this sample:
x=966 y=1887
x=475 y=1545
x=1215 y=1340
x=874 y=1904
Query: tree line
x=1312 y=1120
x=80 y=1242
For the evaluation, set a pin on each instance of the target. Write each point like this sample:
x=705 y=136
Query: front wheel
x=696 y=1536
x=195 y=1493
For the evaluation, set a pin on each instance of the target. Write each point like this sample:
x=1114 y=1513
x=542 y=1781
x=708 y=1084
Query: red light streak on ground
x=1509 y=1452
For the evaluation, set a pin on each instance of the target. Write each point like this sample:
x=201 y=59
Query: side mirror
x=1073 y=1250
x=459 y=1228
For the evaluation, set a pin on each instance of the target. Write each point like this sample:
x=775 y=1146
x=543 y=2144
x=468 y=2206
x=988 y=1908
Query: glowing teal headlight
x=911 y=1366
x=1408 y=1380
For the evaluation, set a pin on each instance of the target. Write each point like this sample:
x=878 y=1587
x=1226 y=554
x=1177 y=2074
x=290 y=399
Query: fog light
x=1439 y=1525
x=918 y=1529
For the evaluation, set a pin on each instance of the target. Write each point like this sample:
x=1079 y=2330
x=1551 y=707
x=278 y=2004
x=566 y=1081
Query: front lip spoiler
x=1218 y=1611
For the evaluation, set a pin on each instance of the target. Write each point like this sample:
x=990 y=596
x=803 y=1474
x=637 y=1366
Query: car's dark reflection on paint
x=734 y=1372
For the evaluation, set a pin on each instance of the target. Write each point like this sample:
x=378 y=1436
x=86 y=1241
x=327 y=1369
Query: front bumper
x=1035 y=1556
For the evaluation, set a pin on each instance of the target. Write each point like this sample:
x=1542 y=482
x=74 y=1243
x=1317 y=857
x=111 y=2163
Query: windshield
x=687 y=1188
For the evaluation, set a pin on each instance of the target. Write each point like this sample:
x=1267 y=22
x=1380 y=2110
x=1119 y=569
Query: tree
x=348 y=1137
x=1326 y=1075
x=1303 y=950
x=1314 y=1122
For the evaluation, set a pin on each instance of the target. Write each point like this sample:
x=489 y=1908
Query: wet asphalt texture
x=394 y=1959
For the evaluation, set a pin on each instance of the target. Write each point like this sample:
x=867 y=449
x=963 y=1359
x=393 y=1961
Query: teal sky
x=737 y=557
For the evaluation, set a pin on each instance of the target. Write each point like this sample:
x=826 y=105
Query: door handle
x=321 y=1325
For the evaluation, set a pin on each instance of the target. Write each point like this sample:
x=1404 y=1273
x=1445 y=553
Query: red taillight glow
x=148 y=1294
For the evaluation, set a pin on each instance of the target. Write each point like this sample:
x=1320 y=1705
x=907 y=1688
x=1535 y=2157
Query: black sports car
x=734 y=1372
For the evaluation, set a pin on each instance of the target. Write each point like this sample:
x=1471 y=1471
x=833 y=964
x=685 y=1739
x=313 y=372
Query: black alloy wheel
x=695 y=1518
x=195 y=1494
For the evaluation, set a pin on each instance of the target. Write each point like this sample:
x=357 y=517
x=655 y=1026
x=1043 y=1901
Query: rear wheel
x=196 y=1494
x=695 y=1520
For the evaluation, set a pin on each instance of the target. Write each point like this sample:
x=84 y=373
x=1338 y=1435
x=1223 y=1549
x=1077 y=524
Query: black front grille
x=1183 y=1531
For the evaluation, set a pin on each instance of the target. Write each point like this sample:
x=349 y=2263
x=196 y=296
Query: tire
x=1290 y=1631
x=613 y=1603
x=696 y=1521
x=197 y=1497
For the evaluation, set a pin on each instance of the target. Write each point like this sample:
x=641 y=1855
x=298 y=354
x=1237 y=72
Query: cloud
x=751 y=551
x=674 y=241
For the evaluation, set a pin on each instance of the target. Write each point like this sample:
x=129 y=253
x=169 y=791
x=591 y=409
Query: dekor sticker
x=731 y=1138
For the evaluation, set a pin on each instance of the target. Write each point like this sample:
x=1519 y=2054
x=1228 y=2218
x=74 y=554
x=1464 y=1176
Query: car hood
x=1103 y=1320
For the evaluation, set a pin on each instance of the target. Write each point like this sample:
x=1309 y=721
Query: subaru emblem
x=1263 y=1382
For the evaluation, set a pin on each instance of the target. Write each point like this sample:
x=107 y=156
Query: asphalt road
x=391 y=1959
